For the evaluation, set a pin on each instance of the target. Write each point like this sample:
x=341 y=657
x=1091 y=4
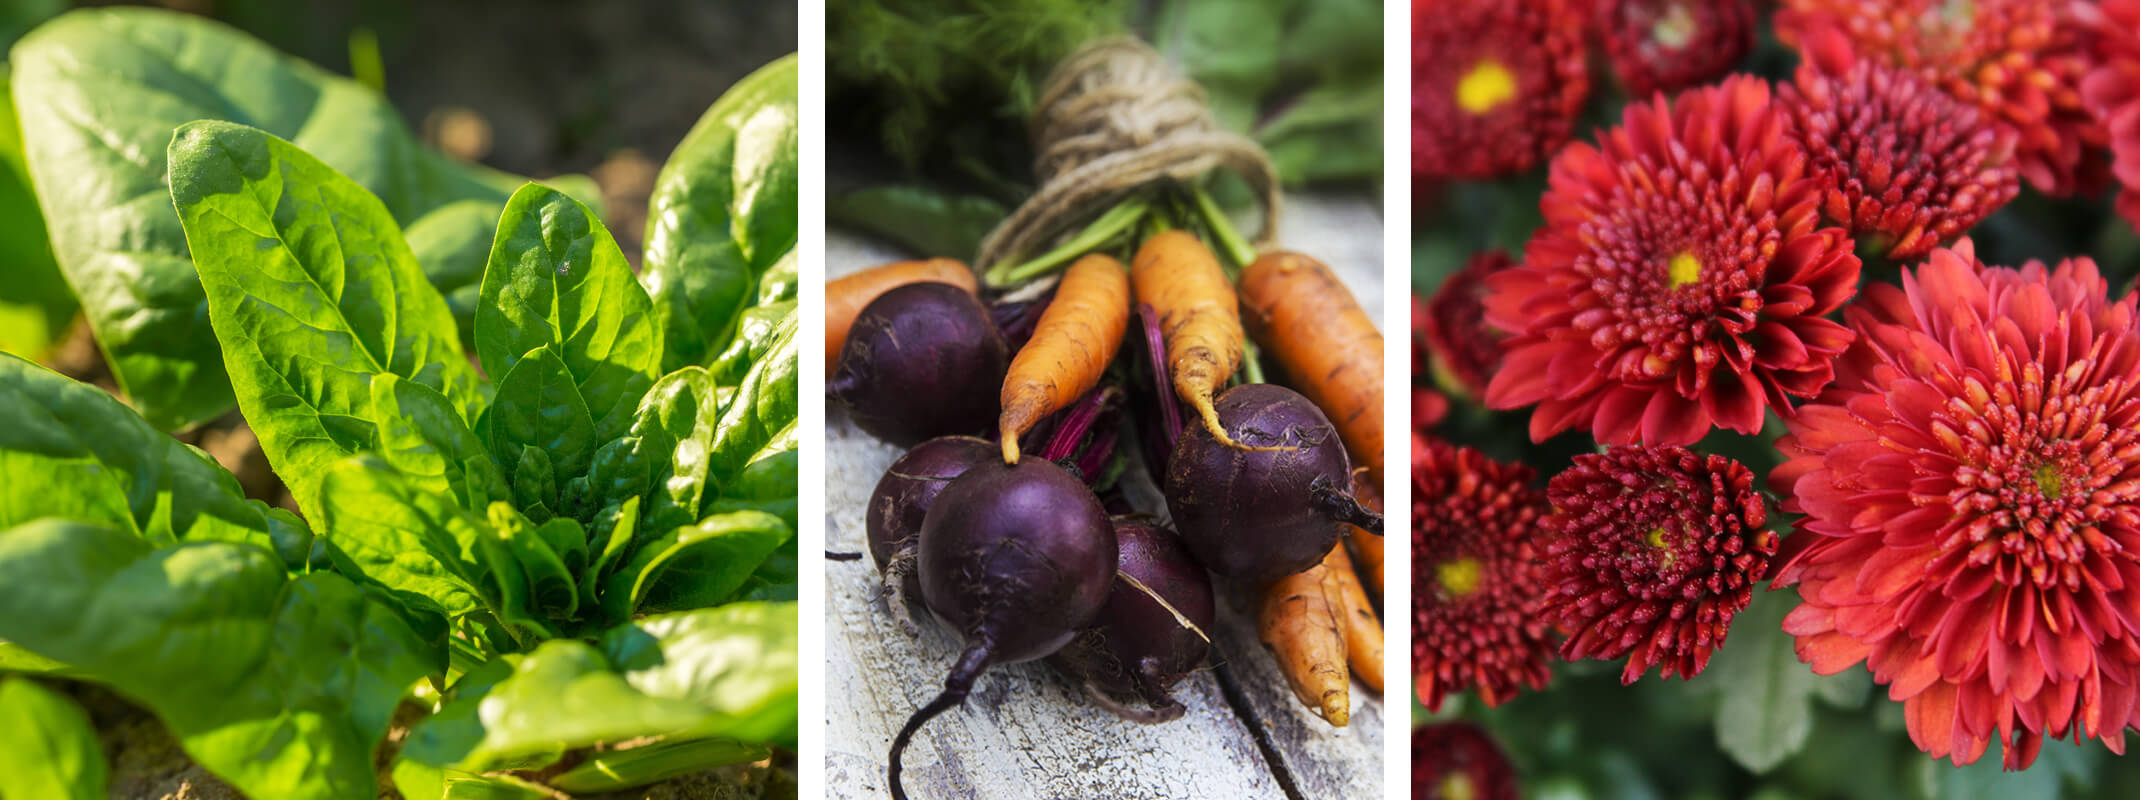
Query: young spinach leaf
x=424 y=437
x=281 y=685
x=723 y=214
x=52 y=750
x=540 y=409
x=765 y=404
x=312 y=292
x=676 y=419
x=418 y=544
x=556 y=279
x=100 y=90
x=694 y=566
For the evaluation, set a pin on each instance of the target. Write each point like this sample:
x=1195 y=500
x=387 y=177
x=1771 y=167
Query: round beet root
x=1142 y=644
x=903 y=495
x=1016 y=558
x=921 y=361
x=1271 y=507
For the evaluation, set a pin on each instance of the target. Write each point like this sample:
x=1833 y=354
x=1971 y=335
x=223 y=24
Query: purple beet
x=1145 y=641
x=903 y=496
x=1256 y=515
x=921 y=361
x=1016 y=558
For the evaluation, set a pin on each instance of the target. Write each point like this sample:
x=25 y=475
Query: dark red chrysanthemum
x=1476 y=576
x=1971 y=487
x=1496 y=84
x=1679 y=281
x=1901 y=164
x=1669 y=45
x=1650 y=553
x=1458 y=761
x=1462 y=352
x=2112 y=92
x=2020 y=61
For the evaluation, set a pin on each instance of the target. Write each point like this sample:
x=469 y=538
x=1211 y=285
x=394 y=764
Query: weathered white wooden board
x=1027 y=732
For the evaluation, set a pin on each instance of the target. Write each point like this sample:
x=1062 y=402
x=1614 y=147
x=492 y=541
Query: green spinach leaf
x=282 y=686
x=557 y=280
x=38 y=304
x=694 y=566
x=728 y=672
x=100 y=91
x=70 y=450
x=423 y=436
x=312 y=292
x=52 y=751
x=723 y=213
x=418 y=544
x=539 y=408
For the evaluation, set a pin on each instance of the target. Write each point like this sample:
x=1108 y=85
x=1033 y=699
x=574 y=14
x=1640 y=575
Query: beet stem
x=1093 y=463
x=1156 y=344
x=956 y=687
x=1078 y=421
x=1341 y=507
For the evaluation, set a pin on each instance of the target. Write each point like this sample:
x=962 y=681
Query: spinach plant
x=582 y=536
x=98 y=92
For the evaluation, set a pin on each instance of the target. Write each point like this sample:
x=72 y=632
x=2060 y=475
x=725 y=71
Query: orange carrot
x=847 y=295
x=1330 y=350
x=1072 y=345
x=1198 y=315
x=1298 y=621
x=1367 y=547
x=1363 y=631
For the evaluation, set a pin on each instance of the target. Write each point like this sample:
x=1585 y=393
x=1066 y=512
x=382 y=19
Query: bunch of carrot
x=1320 y=624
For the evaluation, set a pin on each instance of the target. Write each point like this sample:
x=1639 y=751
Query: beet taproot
x=1016 y=558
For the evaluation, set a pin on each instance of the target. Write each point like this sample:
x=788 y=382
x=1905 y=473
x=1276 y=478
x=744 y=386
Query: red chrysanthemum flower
x=1901 y=164
x=1428 y=407
x=1496 y=84
x=1462 y=352
x=1971 y=487
x=1650 y=553
x=1458 y=761
x=1679 y=281
x=1476 y=576
x=1669 y=45
x=2020 y=61
x=2112 y=91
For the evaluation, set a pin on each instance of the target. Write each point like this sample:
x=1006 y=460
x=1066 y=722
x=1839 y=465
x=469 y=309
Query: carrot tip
x=1010 y=444
x=1218 y=431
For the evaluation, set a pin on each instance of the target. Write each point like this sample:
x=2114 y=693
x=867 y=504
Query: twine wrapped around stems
x=1114 y=118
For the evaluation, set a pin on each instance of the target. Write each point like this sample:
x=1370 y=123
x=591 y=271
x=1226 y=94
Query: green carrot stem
x=1122 y=217
x=1230 y=241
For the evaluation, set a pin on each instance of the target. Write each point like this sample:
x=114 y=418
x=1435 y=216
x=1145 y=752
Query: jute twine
x=1114 y=118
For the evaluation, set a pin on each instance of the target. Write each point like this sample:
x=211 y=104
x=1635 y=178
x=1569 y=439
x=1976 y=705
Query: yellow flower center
x=1458 y=786
x=2048 y=482
x=1656 y=539
x=1486 y=86
x=1683 y=269
x=1461 y=577
x=1676 y=28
